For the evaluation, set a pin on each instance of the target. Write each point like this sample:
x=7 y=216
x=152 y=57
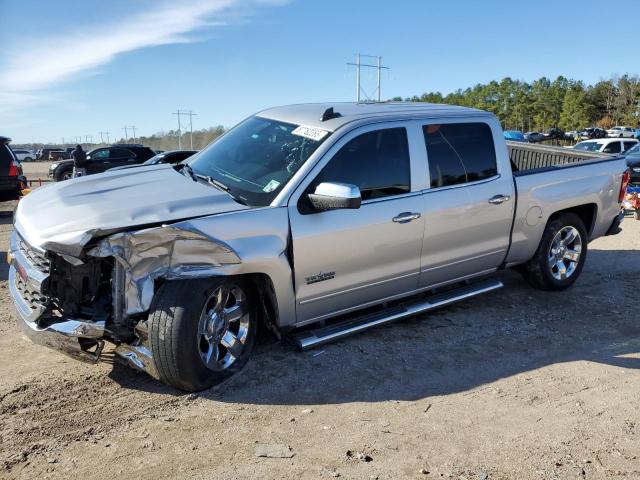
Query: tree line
x=561 y=103
x=169 y=140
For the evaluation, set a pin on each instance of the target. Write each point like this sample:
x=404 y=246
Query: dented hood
x=64 y=216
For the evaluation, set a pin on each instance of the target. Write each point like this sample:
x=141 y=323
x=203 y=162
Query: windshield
x=155 y=159
x=588 y=146
x=258 y=157
x=634 y=150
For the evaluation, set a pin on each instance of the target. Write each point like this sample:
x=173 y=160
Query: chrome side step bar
x=319 y=336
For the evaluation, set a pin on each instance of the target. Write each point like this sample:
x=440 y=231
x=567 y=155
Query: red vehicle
x=12 y=181
x=632 y=200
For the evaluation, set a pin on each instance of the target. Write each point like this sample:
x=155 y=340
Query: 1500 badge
x=320 y=277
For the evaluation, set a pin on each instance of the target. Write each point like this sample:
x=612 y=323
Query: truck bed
x=546 y=182
x=529 y=158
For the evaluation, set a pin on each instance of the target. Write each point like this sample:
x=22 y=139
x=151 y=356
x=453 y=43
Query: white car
x=620 y=132
x=24 y=155
x=606 y=145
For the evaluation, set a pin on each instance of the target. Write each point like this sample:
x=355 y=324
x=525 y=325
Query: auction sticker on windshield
x=310 y=132
x=271 y=186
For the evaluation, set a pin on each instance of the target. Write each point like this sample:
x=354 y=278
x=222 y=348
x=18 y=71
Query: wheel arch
x=587 y=213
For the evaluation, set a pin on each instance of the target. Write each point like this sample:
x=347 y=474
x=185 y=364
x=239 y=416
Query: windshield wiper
x=189 y=171
x=220 y=186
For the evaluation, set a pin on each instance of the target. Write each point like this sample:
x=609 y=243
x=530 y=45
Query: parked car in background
x=12 y=181
x=620 y=132
x=606 y=145
x=24 y=155
x=592 y=132
x=572 y=135
x=56 y=155
x=553 y=134
x=534 y=137
x=514 y=135
x=632 y=157
x=298 y=218
x=172 y=157
x=43 y=153
x=102 y=159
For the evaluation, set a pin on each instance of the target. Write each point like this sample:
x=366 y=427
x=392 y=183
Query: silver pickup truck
x=318 y=221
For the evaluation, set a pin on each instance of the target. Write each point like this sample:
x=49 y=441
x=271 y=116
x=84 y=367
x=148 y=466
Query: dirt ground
x=518 y=384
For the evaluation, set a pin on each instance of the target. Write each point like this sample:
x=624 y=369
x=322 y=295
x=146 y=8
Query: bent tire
x=202 y=331
x=560 y=257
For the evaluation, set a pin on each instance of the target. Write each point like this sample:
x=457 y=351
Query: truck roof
x=310 y=114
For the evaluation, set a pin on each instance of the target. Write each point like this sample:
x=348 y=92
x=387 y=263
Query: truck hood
x=65 y=216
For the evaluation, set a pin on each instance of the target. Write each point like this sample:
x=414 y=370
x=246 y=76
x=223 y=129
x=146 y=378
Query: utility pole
x=178 y=113
x=126 y=133
x=133 y=127
x=101 y=137
x=378 y=67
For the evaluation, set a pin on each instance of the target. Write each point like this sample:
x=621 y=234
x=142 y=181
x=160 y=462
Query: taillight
x=626 y=176
x=14 y=169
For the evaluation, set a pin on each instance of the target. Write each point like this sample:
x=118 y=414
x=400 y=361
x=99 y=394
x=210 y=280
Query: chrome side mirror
x=335 y=196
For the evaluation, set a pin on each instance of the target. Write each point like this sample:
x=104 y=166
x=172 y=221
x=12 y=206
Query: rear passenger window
x=613 y=147
x=459 y=153
x=377 y=162
x=628 y=145
x=6 y=157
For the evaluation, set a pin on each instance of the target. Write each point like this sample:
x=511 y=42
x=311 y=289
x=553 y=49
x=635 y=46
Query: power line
x=191 y=115
x=178 y=113
x=359 y=65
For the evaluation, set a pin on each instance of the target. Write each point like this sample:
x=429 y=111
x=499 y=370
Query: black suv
x=11 y=179
x=102 y=159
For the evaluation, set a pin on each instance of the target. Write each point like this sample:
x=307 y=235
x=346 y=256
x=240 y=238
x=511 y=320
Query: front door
x=468 y=209
x=347 y=259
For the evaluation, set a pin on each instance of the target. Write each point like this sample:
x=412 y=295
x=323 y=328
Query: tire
x=182 y=331
x=28 y=159
x=544 y=270
x=64 y=174
x=636 y=214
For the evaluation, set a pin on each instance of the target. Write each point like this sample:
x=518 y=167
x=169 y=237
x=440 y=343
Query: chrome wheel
x=223 y=327
x=564 y=253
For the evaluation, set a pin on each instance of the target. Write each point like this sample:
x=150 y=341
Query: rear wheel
x=202 y=331
x=636 y=214
x=561 y=254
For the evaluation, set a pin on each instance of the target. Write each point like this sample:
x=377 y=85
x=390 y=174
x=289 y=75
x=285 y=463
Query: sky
x=72 y=68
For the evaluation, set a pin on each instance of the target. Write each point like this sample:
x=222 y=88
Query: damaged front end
x=76 y=303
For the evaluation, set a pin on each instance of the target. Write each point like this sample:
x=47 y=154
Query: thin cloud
x=55 y=59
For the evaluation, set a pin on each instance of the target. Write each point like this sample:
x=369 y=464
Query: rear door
x=614 y=146
x=468 y=209
x=121 y=156
x=347 y=259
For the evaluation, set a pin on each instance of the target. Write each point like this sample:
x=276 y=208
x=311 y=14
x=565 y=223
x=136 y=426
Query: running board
x=319 y=336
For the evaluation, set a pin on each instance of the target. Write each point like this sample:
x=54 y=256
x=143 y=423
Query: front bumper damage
x=27 y=278
x=80 y=339
x=140 y=258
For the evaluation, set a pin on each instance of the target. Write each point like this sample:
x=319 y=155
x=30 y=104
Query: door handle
x=406 y=217
x=498 y=199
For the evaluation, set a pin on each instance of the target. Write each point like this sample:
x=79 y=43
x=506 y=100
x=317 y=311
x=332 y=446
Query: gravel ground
x=516 y=384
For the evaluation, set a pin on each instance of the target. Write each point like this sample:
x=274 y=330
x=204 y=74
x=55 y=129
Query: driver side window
x=377 y=162
x=100 y=154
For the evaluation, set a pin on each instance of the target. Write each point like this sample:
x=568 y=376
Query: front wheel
x=560 y=257
x=65 y=174
x=202 y=331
